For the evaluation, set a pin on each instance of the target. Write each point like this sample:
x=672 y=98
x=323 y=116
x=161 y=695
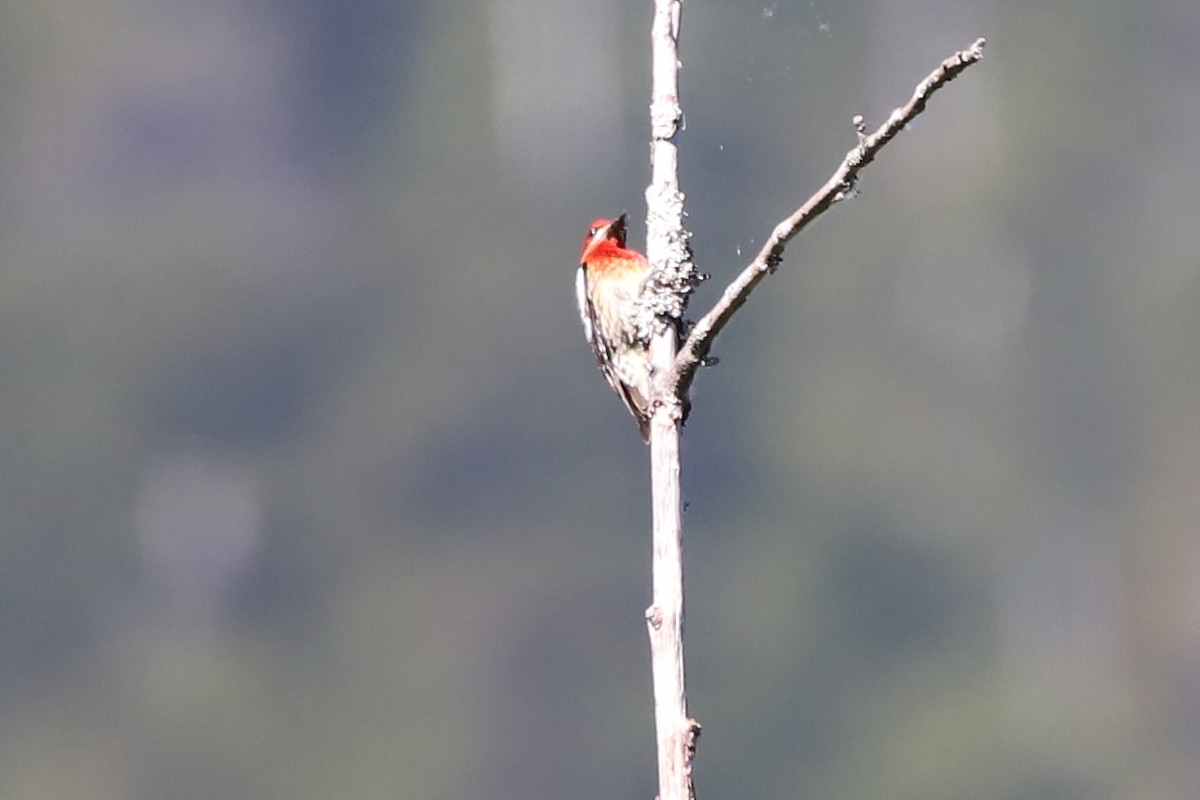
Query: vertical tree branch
x=674 y=731
x=660 y=314
x=663 y=302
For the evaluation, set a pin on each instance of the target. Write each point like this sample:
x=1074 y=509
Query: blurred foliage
x=312 y=490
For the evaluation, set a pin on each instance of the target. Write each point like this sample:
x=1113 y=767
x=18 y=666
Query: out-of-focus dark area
x=311 y=488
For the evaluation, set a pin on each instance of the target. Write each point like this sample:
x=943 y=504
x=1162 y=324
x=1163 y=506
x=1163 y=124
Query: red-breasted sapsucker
x=607 y=287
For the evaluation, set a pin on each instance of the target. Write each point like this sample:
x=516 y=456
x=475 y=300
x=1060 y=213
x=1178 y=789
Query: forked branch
x=663 y=301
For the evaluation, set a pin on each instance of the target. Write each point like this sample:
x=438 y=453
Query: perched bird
x=607 y=287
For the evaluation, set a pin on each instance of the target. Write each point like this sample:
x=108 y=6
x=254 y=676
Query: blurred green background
x=311 y=488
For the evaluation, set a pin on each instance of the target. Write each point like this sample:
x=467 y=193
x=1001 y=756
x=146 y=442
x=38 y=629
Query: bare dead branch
x=841 y=185
x=663 y=301
x=661 y=306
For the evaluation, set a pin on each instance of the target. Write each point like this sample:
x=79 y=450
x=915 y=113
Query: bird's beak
x=618 y=225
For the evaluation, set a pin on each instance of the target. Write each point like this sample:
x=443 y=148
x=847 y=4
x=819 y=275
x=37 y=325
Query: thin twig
x=695 y=349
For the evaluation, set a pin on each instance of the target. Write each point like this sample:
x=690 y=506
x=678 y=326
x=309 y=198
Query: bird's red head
x=603 y=235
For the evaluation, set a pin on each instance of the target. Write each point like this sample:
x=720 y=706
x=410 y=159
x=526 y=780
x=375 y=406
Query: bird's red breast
x=612 y=279
x=604 y=249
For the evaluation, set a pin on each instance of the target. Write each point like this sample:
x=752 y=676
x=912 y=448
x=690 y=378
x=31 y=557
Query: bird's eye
x=593 y=231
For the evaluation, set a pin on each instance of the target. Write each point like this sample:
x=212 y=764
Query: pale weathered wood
x=660 y=313
x=670 y=261
x=694 y=351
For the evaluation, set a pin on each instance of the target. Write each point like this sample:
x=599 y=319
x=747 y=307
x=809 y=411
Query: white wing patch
x=585 y=312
